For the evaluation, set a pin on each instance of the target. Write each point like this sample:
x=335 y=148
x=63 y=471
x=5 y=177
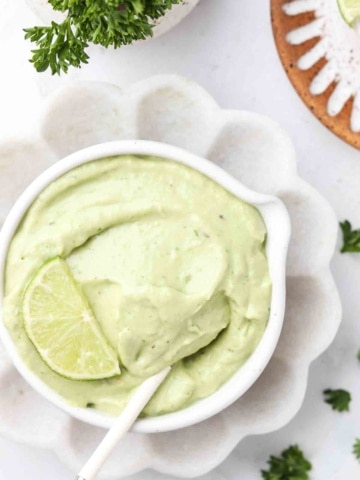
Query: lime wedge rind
x=60 y=323
x=350 y=10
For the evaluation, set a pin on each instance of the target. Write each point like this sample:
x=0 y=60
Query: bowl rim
x=277 y=221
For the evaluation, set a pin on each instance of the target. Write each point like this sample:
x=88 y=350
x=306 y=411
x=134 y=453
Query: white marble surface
x=230 y=51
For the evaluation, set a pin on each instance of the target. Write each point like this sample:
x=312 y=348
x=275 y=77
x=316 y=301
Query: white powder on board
x=339 y=44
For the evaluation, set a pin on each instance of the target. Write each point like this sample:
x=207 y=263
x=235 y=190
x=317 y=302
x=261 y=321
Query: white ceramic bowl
x=278 y=228
x=47 y=14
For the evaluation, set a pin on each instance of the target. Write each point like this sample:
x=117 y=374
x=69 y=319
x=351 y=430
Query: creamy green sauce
x=173 y=265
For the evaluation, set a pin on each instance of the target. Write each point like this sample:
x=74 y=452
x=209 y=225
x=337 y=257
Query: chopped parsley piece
x=351 y=238
x=356 y=448
x=291 y=465
x=338 y=399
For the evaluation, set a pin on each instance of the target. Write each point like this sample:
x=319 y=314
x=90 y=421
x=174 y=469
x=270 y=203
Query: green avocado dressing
x=174 y=268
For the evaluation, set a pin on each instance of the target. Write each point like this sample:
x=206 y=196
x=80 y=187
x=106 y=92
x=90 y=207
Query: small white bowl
x=278 y=227
x=46 y=13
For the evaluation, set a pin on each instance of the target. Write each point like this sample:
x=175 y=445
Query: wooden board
x=289 y=54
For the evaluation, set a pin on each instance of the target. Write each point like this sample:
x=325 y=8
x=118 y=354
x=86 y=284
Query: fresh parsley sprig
x=101 y=22
x=291 y=465
x=59 y=47
x=351 y=238
x=338 y=399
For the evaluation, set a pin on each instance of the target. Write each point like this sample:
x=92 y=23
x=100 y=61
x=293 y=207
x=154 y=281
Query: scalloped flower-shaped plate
x=254 y=149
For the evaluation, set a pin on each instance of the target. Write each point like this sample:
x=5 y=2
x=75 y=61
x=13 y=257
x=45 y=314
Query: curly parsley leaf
x=101 y=22
x=59 y=47
x=291 y=465
x=351 y=238
x=338 y=399
x=356 y=448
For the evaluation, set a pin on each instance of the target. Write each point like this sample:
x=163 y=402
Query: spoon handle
x=122 y=424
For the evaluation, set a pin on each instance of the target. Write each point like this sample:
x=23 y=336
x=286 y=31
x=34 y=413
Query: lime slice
x=61 y=325
x=350 y=10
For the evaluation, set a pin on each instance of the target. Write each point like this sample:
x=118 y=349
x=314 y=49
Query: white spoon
x=121 y=426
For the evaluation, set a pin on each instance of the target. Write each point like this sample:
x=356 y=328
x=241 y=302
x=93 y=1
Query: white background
x=226 y=46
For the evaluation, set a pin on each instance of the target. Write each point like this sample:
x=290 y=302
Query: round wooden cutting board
x=289 y=54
